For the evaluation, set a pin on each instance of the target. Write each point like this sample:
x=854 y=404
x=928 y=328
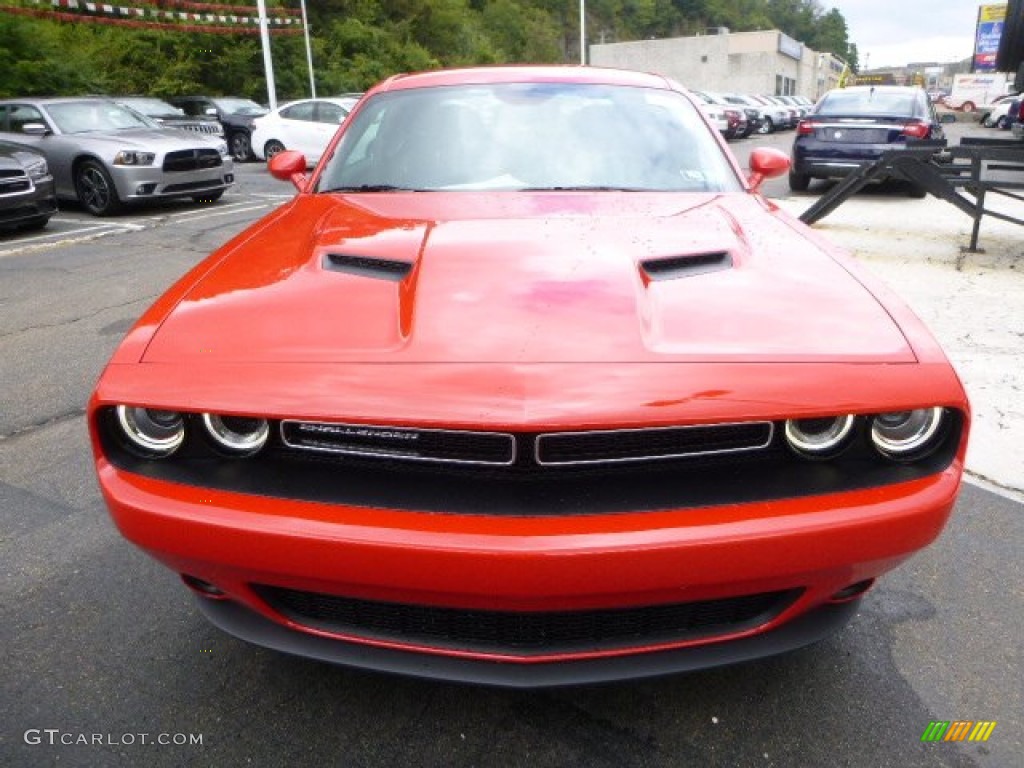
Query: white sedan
x=306 y=126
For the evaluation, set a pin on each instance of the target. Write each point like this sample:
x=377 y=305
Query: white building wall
x=747 y=62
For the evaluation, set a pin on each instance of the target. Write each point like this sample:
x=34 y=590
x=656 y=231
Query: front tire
x=272 y=147
x=1003 y=123
x=799 y=182
x=239 y=146
x=95 y=189
x=766 y=126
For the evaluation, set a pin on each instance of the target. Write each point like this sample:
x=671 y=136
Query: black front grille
x=191 y=160
x=13 y=185
x=401 y=443
x=642 y=444
x=526 y=633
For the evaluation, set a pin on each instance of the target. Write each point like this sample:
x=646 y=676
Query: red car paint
x=528 y=311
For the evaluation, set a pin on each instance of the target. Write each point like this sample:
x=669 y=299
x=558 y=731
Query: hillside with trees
x=355 y=43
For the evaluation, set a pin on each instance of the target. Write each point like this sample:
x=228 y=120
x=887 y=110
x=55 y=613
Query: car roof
x=524 y=74
x=894 y=88
x=54 y=99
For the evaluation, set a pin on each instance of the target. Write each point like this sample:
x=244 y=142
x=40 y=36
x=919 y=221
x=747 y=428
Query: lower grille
x=526 y=634
x=191 y=186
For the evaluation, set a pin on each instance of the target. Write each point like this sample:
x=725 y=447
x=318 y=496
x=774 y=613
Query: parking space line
x=193 y=216
x=80 y=235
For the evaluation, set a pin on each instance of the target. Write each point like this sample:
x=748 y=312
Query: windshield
x=516 y=136
x=240 y=107
x=85 y=116
x=152 y=107
x=867 y=102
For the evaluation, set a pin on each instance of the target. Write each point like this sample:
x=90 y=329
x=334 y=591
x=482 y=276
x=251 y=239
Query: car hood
x=17 y=156
x=531 y=278
x=147 y=139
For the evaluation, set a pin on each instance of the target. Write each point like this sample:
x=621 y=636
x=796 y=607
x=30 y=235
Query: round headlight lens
x=237 y=435
x=906 y=434
x=819 y=438
x=152 y=432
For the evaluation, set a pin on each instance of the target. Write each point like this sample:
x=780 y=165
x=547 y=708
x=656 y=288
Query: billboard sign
x=986 y=40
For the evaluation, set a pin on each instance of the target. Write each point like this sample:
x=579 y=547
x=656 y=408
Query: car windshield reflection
x=86 y=116
x=512 y=136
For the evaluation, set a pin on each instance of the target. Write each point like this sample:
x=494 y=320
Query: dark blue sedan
x=852 y=126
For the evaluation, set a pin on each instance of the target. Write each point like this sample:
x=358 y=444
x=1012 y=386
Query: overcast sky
x=895 y=32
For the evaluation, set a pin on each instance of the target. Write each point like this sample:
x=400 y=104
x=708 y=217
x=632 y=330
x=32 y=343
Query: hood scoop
x=690 y=265
x=367 y=266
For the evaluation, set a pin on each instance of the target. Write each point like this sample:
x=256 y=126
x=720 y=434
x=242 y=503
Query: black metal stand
x=960 y=175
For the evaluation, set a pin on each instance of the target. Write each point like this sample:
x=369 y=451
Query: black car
x=852 y=126
x=27 y=197
x=169 y=116
x=235 y=115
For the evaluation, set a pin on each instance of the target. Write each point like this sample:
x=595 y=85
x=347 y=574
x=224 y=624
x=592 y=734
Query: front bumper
x=135 y=183
x=32 y=204
x=819 y=545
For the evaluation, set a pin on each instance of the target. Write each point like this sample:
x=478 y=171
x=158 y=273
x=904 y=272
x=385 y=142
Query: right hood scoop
x=373 y=267
x=689 y=265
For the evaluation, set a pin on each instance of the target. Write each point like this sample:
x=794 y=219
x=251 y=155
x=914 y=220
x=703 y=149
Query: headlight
x=37 y=170
x=151 y=432
x=819 y=438
x=222 y=147
x=237 y=435
x=907 y=434
x=131 y=157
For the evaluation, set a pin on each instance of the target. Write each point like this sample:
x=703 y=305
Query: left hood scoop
x=372 y=267
x=689 y=265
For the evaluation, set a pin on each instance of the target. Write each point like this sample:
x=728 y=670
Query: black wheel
x=273 y=147
x=209 y=197
x=799 y=182
x=239 y=146
x=766 y=126
x=95 y=189
x=1003 y=123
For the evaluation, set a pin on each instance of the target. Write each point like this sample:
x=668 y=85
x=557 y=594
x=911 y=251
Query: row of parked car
x=738 y=115
x=1004 y=112
x=107 y=152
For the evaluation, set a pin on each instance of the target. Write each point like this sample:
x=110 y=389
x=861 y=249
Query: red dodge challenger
x=529 y=385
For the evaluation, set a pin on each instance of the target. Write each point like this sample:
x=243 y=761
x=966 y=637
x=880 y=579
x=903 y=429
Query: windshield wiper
x=584 y=188
x=371 y=188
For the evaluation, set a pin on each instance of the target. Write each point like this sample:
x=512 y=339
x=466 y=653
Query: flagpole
x=583 y=32
x=268 y=65
x=309 y=51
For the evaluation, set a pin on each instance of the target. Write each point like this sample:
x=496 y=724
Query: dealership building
x=766 y=61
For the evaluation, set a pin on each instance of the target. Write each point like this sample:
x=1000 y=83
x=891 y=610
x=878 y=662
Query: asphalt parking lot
x=107 y=662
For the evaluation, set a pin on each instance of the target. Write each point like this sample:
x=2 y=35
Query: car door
x=298 y=129
x=328 y=117
x=16 y=117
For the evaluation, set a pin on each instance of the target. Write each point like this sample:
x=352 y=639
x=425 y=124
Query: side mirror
x=34 y=129
x=766 y=163
x=289 y=166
